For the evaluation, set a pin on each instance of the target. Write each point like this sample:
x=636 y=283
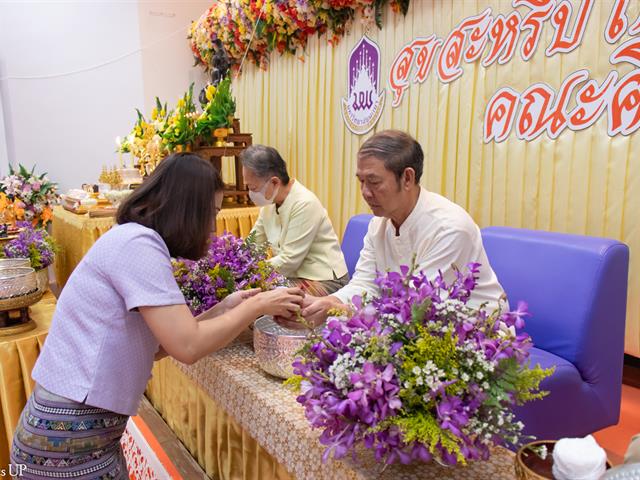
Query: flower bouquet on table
x=417 y=374
x=25 y=196
x=231 y=264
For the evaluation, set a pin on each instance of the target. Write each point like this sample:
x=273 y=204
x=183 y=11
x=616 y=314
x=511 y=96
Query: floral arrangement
x=145 y=140
x=417 y=374
x=169 y=131
x=218 y=112
x=231 y=264
x=181 y=123
x=32 y=243
x=25 y=196
x=284 y=26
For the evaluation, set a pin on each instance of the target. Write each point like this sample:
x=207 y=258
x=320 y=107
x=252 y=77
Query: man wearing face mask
x=295 y=224
x=410 y=224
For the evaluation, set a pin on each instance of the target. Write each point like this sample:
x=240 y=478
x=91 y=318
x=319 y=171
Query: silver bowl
x=17 y=281
x=276 y=346
x=15 y=262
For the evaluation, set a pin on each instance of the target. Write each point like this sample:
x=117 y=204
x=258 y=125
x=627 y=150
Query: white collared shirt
x=439 y=233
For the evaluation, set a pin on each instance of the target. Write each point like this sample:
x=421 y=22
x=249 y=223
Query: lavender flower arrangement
x=416 y=374
x=231 y=264
x=32 y=243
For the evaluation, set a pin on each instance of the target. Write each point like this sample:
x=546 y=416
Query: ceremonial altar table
x=75 y=234
x=18 y=354
x=240 y=423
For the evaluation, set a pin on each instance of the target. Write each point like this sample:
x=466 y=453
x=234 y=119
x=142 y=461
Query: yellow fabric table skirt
x=238 y=221
x=18 y=355
x=218 y=443
x=76 y=234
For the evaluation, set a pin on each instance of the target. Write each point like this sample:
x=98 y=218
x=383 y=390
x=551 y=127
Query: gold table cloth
x=77 y=233
x=240 y=423
x=238 y=221
x=18 y=355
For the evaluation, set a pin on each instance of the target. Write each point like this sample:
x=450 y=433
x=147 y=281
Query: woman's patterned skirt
x=60 y=438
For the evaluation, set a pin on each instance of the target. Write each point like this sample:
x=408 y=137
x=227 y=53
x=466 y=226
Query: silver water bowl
x=276 y=346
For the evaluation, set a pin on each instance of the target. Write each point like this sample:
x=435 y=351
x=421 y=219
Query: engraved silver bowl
x=15 y=262
x=276 y=346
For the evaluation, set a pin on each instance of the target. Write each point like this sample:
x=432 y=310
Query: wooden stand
x=238 y=192
x=13 y=318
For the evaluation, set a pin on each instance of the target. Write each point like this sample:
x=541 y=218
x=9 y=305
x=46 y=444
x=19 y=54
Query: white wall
x=167 y=63
x=4 y=154
x=67 y=124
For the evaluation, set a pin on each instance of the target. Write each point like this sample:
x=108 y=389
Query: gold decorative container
x=276 y=346
x=529 y=466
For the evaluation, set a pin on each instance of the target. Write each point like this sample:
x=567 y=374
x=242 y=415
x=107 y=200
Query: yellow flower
x=181 y=103
x=211 y=91
x=154 y=113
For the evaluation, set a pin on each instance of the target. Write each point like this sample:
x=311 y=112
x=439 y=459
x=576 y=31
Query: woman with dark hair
x=119 y=309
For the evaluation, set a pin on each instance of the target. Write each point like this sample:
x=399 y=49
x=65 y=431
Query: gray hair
x=398 y=151
x=265 y=162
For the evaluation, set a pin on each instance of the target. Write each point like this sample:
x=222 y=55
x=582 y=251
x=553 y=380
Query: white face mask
x=258 y=197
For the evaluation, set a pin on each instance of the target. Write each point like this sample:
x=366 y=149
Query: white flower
x=416 y=370
x=543 y=452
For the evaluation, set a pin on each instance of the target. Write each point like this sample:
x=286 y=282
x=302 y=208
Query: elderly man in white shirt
x=294 y=222
x=409 y=221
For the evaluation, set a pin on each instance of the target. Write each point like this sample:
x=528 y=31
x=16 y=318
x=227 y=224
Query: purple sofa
x=576 y=288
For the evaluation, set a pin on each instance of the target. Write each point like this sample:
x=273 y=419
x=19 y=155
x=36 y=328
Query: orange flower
x=46 y=216
x=19 y=213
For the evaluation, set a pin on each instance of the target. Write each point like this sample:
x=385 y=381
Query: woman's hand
x=280 y=302
x=236 y=298
x=314 y=312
